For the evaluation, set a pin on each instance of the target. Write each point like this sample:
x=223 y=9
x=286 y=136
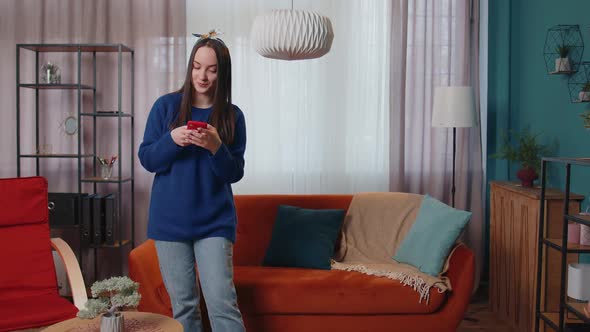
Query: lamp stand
x=454 y=152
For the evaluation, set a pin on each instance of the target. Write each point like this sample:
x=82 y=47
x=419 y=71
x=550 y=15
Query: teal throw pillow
x=303 y=237
x=435 y=230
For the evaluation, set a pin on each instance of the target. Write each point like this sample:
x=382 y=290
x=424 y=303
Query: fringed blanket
x=374 y=227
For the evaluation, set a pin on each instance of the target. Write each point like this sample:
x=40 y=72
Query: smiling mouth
x=203 y=85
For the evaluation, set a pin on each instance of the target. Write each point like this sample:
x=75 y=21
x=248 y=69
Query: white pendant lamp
x=292 y=34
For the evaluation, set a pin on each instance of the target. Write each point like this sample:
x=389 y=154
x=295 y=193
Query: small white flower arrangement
x=50 y=73
x=110 y=296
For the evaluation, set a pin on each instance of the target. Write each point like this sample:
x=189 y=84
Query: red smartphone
x=196 y=124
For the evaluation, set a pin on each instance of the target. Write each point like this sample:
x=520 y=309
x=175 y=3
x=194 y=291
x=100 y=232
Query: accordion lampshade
x=292 y=35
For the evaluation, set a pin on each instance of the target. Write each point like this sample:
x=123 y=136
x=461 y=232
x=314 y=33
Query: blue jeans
x=214 y=260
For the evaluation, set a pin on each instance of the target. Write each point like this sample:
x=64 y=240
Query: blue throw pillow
x=435 y=230
x=303 y=238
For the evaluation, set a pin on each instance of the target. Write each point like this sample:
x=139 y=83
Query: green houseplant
x=563 y=62
x=528 y=152
x=110 y=296
x=586 y=118
x=584 y=94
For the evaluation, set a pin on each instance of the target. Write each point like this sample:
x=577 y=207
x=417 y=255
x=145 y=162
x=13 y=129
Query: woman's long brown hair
x=223 y=116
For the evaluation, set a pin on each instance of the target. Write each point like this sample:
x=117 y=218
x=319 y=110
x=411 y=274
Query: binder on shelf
x=97 y=217
x=86 y=225
x=64 y=208
x=110 y=218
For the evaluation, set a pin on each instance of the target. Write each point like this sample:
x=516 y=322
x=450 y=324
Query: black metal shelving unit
x=84 y=50
x=556 y=320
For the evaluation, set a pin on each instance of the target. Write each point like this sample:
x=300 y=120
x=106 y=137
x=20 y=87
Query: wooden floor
x=479 y=318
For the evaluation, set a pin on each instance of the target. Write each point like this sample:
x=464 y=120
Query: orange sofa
x=295 y=299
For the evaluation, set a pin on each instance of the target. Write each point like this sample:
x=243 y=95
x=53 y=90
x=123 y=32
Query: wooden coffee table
x=134 y=321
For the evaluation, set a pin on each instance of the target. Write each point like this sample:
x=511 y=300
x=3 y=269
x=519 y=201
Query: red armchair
x=28 y=285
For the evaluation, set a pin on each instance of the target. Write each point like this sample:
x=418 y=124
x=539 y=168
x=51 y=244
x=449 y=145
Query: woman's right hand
x=181 y=136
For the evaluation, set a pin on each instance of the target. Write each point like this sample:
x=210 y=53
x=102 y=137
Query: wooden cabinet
x=514 y=236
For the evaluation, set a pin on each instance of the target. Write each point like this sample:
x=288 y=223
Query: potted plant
x=109 y=297
x=586 y=118
x=528 y=153
x=563 y=62
x=584 y=94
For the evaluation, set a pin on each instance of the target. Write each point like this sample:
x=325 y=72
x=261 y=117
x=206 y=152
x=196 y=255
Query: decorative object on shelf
x=586 y=118
x=44 y=149
x=579 y=84
x=453 y=107
x=578 y=278
x=563 y=49
x=573 y=233
x=585 y=235
x=528 y=153
x=69 y=125
x=50 y=73
x=106 y=166
x=109 y=297
x=292 y=34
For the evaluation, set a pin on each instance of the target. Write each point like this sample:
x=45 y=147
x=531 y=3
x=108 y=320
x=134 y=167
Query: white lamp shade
x=454 y=106
x=292 y=35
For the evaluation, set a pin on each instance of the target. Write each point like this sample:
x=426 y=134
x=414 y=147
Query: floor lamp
x=454 y=107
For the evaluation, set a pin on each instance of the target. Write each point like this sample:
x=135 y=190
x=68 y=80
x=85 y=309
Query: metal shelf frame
x=118 y=179
x=556 y=320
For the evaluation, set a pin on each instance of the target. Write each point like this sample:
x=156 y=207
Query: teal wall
x=521 y=93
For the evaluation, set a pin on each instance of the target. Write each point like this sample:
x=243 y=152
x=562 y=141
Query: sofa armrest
x=72 y=270
x=461 y=274
x=144 y=268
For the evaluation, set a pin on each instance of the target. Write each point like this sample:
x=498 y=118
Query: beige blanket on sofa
x=374 y=227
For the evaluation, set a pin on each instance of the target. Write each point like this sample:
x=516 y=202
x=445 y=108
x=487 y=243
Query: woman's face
x=205 y=70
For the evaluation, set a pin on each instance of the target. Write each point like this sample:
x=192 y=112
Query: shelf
x=113 y=179
x=71 y=86
x=108 y=114
x=577 y=308
x=571 y=247
x=56 y=155
x=117 y=244
x=551 y=318
x=566 y=72
x=581 y=219
x=572 y=161
x=75 y=47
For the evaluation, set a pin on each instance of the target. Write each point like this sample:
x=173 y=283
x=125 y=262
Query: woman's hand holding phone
x=207 y=138
x=198 y=133
x=181 y=136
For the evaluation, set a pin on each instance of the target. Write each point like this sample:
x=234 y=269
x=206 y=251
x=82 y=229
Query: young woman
x=192 y=215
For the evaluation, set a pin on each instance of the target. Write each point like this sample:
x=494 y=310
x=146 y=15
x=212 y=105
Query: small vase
x=562 y=64
x=112 y=322
x=584 y=96
x=527 y=176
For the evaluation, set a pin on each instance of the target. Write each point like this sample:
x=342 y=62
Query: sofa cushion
x=257 y=215
x=304 y=237
x=278 y=290
x=429 y=241
x=35 y=311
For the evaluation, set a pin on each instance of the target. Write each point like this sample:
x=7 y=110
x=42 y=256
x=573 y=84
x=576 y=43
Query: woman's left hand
x=206 y=138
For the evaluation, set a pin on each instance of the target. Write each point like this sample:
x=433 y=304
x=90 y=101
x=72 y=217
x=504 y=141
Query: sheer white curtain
x=314 y=126
x=439 y=47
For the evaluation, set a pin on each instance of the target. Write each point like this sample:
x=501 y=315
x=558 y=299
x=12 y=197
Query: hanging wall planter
x=563 y=49
x=579 y=84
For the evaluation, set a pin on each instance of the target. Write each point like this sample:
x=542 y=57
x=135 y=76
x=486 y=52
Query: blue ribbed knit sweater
x=191 y=195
